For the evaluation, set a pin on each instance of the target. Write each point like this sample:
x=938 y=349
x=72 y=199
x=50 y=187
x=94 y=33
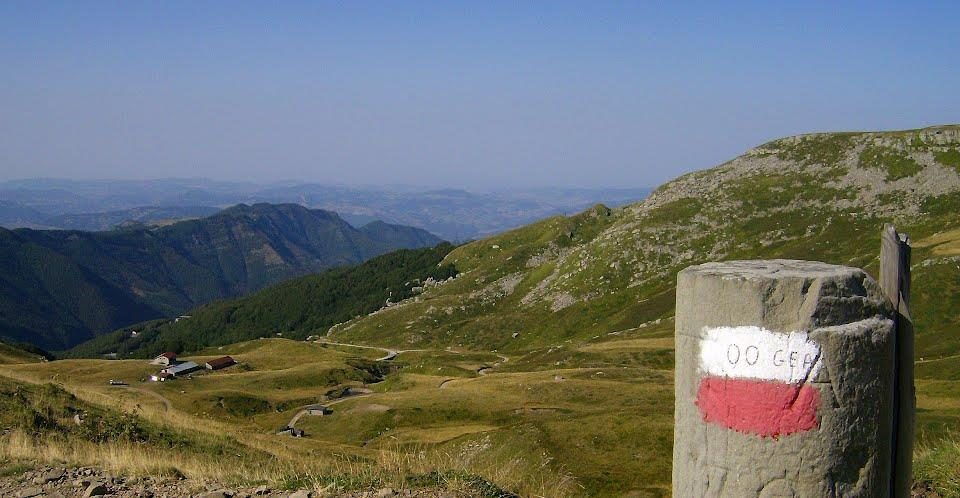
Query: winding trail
x=928 y=360
x=390 y=354
x=167 y=406
x=300 y=414
x=444 y=383
x=503 y=359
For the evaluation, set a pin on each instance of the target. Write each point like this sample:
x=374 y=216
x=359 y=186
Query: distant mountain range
x=452 y=214
x=128 y=218
x=59 y=288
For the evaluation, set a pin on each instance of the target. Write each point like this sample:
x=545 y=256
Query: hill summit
x=609 y=272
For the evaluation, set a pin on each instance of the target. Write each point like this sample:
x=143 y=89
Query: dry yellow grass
x=447 y=450
x=9 y=354
x=437 y=434
x=629 y=345
x=942 y=244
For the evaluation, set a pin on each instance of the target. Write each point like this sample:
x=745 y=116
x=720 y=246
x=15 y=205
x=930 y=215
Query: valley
x=60 y=288
x=433 y=410
x=544 y=366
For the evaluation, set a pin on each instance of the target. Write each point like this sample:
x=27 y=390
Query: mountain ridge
x=86 y=283
x=453 y=214
x=819 y=196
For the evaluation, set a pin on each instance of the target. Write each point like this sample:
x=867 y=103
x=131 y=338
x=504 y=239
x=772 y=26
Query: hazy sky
x=461 y=94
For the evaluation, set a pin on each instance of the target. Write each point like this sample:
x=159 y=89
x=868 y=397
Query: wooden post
x=895 y=282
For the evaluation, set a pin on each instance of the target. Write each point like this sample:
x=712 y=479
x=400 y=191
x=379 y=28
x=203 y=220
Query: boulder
x=220 y=493
x=95 y=489
x=49 y=476
x=29 y=492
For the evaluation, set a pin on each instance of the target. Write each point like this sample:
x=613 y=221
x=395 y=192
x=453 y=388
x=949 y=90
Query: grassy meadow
x=588 y=419
x=524 y=428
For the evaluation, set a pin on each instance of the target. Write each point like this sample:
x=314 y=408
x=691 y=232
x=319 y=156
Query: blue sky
x=458 y=94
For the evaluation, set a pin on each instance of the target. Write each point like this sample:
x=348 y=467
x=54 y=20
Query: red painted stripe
x=761 y=407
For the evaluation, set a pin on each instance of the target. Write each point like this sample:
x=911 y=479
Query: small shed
x=219 y=363
x=181 y=369
x=291 y=431
x=318 y=410
x=165 y=359
x=160 y=377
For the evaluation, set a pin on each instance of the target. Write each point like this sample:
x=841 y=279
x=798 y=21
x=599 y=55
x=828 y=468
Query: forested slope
x=294 y=309
x=58 y=288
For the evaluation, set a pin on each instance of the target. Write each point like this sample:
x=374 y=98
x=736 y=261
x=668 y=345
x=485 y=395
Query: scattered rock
x=87 y=483
x=28 y=492
x=923 y=489
x=48 y=476
x=220 y=493
x=95 y=489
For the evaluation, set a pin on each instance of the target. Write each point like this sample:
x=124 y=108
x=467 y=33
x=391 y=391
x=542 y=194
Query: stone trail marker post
x=785 y=382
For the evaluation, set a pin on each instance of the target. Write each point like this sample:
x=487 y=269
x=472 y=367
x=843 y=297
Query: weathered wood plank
x=895 y=283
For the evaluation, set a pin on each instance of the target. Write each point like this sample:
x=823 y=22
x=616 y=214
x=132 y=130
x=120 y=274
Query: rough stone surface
x=49 y=476
x=95 y=489
x=75 y=482
x=834 y=315
x=29 y=492
x=220 y=493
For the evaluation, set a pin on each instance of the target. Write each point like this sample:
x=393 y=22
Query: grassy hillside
x=820 y=197
x=12 y=354
x=59 y=288
x=217 y=426
x=294 y=309
x=593 y=290
x=546 y=366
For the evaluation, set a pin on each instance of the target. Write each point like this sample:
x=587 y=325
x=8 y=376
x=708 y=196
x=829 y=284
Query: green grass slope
x=10 y=354
x=819 y=197
x=596 y=289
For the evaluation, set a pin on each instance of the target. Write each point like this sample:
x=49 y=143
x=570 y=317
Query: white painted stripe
x=750 y=352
